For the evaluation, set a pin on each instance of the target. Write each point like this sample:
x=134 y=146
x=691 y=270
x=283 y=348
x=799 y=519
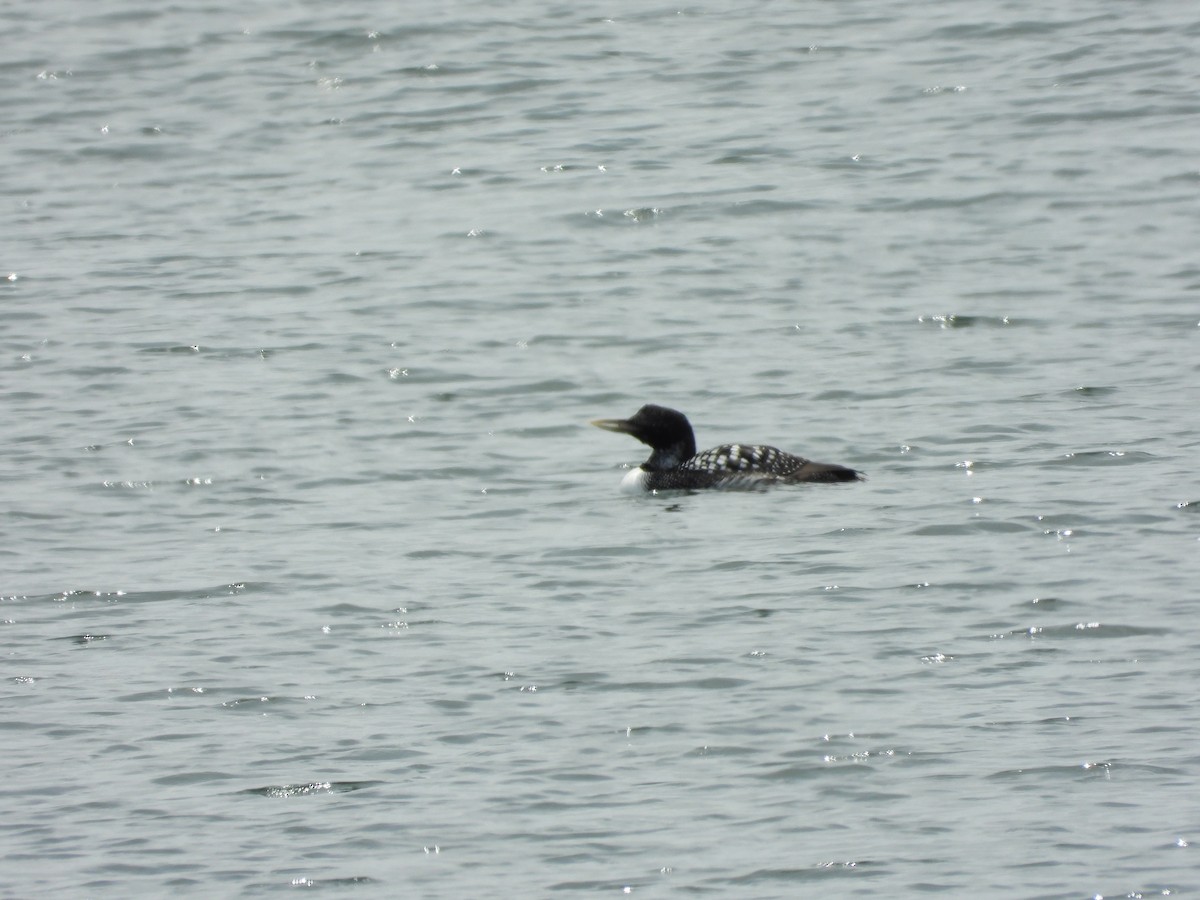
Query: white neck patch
x=634 y=481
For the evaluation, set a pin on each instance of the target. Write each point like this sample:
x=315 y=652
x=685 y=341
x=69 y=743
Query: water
x=314 y=576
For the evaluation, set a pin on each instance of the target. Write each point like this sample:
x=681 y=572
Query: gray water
x=314 y=577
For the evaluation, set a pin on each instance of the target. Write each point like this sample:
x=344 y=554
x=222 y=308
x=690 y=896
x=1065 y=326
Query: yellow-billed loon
x=674 y=464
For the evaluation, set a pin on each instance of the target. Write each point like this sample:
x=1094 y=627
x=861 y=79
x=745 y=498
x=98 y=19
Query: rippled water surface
x=313 y=575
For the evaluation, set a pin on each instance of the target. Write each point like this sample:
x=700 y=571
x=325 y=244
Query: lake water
x=313 y=575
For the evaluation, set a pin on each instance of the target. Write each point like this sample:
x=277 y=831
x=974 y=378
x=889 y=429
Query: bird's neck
x=664 y=458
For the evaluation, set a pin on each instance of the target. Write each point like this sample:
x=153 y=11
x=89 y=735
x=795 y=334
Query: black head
x=664 y=429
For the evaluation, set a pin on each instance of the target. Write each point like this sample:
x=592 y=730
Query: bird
x=674 y=464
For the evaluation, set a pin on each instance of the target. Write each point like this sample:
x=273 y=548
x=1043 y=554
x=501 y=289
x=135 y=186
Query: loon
x=676 y=466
